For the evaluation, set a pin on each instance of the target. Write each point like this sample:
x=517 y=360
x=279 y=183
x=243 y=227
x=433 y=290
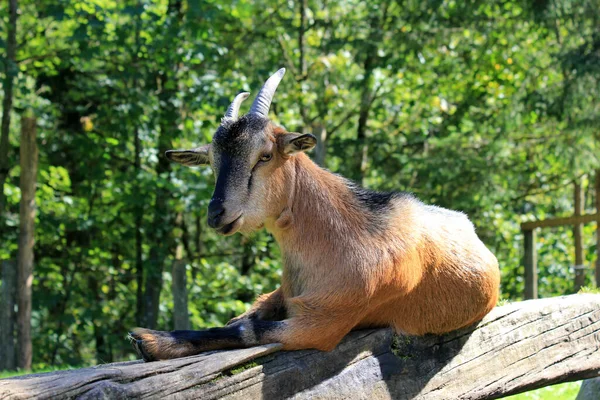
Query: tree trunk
x=302 y=63
x=7 y=316
x=10 y=73
x=138 y=217
x=247 y=255
x=366 y=97
x=102 y=353
x=377 y=23
x=29 y=164
x=199 y=243
x=181 y=320
x=517 y=347
x=162 y=222
x=597 y=187
x=138 y=206
x=159 y=242
x=321 y=150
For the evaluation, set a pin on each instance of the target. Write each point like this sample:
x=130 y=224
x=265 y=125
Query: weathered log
x=517 y=347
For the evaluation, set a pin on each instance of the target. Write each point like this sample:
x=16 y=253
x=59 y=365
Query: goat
x=352 y=258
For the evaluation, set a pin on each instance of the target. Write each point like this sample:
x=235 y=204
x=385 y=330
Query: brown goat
x=352 y=257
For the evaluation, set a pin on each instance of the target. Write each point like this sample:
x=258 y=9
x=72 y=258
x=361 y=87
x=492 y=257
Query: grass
x=503 y=302
x=242 y=368
x=36 y=370
x=589 y=289
x=562 y=391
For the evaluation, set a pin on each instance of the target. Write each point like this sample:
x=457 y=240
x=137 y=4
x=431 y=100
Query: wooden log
x=517 y=347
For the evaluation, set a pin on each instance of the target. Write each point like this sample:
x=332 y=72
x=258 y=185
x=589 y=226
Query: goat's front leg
x=158 y=345
x=161 y=345
x=270 y=306
x=312 y=328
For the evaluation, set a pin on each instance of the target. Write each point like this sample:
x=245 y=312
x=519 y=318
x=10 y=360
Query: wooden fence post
x=578 y=236
x=531 y=284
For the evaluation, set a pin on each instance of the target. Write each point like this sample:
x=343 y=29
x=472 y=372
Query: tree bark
x=29 y=164
x=597 y=189
x=303 y=4
x=517 y=347
x=367 y=94
x=7 y=316
x=321 y=150
x=160 y=237
x=247 y=255
x=181 y=320
x=102 y=352
x=10 y=70
x=362 y=144
x=138 y=207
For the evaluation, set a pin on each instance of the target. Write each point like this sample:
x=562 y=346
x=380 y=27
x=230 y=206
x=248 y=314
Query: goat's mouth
x=232 y=227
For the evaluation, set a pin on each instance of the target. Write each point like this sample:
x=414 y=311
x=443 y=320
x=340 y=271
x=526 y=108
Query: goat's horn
x=262 y=103
x=234 y=108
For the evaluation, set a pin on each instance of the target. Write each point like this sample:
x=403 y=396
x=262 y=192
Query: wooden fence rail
x=577 y=220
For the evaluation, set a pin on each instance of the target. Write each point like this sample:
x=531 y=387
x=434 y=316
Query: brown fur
x=425 y=272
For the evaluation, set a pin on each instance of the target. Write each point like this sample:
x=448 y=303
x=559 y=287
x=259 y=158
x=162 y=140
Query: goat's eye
x=266 y=157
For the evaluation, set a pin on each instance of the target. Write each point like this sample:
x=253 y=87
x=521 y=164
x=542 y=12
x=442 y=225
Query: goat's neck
x=320 y=210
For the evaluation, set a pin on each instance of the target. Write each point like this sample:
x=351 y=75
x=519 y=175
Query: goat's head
x=245 y=153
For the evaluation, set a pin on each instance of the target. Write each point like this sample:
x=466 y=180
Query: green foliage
x=486 y=107
x=563 y=391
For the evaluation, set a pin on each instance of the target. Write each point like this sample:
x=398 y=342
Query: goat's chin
x=250 y=225
x=232 y=227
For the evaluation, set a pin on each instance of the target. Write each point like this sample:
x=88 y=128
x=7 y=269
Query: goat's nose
x=215 y=211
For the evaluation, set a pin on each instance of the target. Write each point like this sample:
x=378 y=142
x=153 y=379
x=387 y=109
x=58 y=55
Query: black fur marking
x=376 y=205
x=260 y=327
x=373 y=201
x=242 y=333
x=201 y=338
x=234 y=144
x=238 y=136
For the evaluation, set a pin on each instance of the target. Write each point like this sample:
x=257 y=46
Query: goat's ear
x=190 y=158
x=292 y=143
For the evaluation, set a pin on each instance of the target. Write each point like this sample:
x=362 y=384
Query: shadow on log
x=517 y=347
